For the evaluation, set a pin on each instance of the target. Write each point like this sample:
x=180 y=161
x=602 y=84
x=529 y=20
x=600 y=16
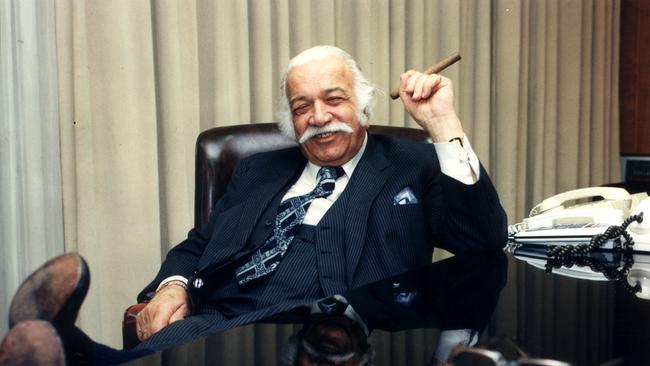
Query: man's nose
x=321 y=114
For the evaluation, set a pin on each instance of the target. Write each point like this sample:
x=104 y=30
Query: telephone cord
x=613 y=274
x=569 y=255
x=597 y=241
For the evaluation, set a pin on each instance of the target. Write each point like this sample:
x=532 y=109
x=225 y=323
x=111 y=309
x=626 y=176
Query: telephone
x=575 y=217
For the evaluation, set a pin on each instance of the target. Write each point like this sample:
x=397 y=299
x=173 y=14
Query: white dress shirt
x=458 y=161
x=308 y=179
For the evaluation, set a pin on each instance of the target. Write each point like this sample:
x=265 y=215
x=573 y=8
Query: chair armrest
x=129 y=331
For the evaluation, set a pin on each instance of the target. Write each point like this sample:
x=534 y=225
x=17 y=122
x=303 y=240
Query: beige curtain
x=536 y=90
x=554 y=127
x=31 y=212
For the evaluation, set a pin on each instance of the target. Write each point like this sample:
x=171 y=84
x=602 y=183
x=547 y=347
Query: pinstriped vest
x=313 y=267
x=315 y=264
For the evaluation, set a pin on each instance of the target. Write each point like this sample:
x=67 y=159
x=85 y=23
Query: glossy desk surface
x=563 y=311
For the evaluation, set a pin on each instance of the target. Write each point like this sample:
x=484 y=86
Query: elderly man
x=341 y=210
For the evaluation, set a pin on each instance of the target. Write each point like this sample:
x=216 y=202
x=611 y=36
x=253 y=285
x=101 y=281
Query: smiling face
x=323 y=105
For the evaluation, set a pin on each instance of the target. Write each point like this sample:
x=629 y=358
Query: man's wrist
x=458 y=140
x=443 y=128
x=172 y=278
x=176 y=283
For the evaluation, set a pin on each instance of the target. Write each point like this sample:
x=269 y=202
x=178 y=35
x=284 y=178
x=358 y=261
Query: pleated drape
x=554 y=125
x=31 y=213
x=536 y=91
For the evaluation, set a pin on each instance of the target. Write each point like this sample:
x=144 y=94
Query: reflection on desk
x=456 y=293
x=547 y=314
x=623 y=322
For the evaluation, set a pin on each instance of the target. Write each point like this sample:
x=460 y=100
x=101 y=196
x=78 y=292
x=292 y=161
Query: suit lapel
x=253 y=208
x=367 y=181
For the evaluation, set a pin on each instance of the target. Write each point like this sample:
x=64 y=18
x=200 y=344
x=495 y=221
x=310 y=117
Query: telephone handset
x=611 y=198
x=559 y=220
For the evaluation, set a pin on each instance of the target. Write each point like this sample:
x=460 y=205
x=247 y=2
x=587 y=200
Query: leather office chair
x=217 y=152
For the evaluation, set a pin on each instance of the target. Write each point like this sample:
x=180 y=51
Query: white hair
x=364 y=90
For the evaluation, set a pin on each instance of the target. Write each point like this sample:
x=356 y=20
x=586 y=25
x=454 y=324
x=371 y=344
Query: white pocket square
x=405 y=197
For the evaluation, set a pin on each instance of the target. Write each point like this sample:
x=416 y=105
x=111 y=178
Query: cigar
x=443 y=64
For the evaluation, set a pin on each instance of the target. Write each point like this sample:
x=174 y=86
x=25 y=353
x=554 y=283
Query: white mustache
x=313 y=131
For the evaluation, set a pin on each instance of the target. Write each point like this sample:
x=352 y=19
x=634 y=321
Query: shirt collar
x=348 y=167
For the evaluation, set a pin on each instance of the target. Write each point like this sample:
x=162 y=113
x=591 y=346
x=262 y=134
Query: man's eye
x=300 y=109
x=335 y=100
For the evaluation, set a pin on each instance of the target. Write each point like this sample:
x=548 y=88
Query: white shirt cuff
x=172 y=278
x=451 y=338
x=458 y=161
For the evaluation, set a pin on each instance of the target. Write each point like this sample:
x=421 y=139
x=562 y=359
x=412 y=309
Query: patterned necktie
x=290 y=215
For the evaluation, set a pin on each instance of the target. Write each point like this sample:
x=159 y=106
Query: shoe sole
x=32 y=342
x=54 y=292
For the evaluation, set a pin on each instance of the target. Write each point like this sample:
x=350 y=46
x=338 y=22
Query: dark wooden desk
x=549 y=315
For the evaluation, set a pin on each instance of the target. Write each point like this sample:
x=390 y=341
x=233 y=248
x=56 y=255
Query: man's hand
x=429 y=99
x=171 y=303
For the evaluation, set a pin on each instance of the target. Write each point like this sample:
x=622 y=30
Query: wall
x=635 y=77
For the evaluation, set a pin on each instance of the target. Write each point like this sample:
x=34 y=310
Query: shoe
x=32 y=342
x=54 y=292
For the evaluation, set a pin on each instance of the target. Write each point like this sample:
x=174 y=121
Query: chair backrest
x=219 y=149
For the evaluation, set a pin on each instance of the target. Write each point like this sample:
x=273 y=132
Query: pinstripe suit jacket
x=379 y=238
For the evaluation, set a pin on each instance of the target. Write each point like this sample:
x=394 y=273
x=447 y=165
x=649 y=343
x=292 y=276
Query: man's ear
x=366 y=117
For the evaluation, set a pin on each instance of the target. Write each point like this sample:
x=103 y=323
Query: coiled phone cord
x=613 y=274
x=612 y=232
x=569 y=255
